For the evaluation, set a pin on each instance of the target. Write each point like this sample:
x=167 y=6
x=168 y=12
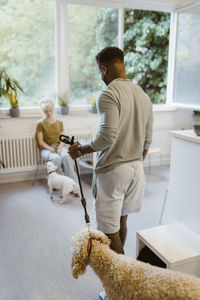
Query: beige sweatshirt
x=125 y=125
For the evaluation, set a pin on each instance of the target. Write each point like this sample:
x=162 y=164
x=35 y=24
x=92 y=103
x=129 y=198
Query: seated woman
x=48 y=130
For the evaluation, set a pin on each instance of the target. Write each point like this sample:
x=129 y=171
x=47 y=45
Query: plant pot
x=196 y=128
x=93 y=108
x=14 y=112
x=63 y=110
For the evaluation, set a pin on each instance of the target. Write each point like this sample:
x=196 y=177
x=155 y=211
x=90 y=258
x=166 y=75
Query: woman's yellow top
x=50 y=131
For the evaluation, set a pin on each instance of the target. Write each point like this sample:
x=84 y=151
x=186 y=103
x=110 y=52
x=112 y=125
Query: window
x=44 y=67
x=27 y=34
x=89 y=30
x=187 y=67
x=146 y=43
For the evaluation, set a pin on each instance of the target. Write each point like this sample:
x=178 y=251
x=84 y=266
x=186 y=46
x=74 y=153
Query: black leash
x=66 y=139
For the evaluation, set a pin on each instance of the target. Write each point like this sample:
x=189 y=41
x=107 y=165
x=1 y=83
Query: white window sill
x=186 y=106
x=33 y=112
x=74 y=111
x=163 y=107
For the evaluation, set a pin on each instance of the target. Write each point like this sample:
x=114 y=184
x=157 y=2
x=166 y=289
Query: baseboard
x=30 y=175
x=22 y=176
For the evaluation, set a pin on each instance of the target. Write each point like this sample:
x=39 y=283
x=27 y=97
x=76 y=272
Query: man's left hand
x=73 y=150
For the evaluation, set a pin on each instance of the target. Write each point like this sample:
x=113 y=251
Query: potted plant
x=93 y=107
x=63 y=105
x=9 y=89
x=196 y=115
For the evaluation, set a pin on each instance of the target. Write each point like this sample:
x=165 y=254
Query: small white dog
x=64 y=184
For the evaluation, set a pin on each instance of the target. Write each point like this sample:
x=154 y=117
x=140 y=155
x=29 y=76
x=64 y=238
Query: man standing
x=122 y=142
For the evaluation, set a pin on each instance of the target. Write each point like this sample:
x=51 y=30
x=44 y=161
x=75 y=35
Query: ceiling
x=176 y=4
x=165 y=5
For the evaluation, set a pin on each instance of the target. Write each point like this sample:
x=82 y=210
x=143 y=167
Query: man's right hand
x=73 y=150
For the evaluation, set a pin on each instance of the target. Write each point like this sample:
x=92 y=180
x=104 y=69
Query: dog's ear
x=79 y=263
x=80 y=254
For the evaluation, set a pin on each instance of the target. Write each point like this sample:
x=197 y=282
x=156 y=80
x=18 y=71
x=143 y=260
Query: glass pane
x=89 y=30
x=27 y=35
x=146 y=43
x=187 y=68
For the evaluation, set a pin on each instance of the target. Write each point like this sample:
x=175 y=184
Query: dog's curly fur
x=125 y=278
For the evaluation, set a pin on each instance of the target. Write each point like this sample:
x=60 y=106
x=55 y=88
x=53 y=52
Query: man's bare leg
x=123 y=229
x=116 y=243
x=118 y=238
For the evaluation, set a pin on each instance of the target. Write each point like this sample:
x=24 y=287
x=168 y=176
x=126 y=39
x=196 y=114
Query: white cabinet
x=177 y=241
x=183 y=199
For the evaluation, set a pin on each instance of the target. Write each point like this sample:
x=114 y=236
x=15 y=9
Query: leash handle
x=66 y=139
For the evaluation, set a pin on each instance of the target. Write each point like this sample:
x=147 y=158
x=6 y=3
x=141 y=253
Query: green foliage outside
x=146 y=42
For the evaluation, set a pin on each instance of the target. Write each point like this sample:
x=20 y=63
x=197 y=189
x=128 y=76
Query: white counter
x=183 y=200
x=177 y=241
x=187 y=135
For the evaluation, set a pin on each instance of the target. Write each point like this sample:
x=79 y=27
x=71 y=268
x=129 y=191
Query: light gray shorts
x=118 y=192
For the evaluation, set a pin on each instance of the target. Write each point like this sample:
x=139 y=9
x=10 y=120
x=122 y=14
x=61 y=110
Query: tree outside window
x=146 y=43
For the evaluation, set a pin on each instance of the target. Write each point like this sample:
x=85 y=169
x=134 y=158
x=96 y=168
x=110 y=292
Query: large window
x=187 y=67
x=27 y=35
x=146 y=43
x=89 y=30
x=31 y=48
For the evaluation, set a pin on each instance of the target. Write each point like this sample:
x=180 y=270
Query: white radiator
x=20 y=153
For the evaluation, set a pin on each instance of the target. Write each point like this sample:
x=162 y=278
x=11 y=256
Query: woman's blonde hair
x=46 y=102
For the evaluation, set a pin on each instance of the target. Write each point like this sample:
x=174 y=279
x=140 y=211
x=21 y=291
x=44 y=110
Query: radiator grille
x=20 y=153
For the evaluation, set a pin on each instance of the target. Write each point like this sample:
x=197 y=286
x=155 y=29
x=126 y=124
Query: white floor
x=35 y=234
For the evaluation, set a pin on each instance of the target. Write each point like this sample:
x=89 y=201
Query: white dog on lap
x=64 y=184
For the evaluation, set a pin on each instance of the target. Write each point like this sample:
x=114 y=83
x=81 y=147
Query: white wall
x=164 y=122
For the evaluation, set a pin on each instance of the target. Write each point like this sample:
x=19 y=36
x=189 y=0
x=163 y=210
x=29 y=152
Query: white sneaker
x=102 y=296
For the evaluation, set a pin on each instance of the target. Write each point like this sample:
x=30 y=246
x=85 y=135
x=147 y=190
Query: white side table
x=175 y=244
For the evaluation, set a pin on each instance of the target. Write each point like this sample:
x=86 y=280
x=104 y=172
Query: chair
x=39 y=159
x=155 y=151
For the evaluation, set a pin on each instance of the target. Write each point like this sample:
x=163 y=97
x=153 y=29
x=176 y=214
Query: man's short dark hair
x=110 y=55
